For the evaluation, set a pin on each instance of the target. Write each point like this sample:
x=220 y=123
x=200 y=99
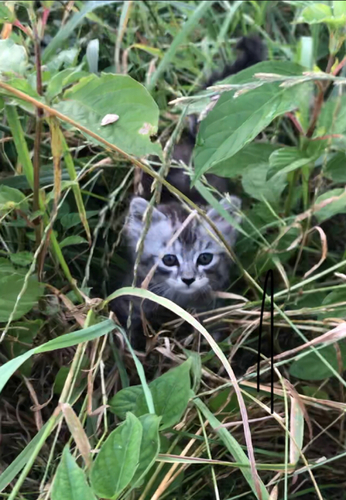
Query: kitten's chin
x=198 y=294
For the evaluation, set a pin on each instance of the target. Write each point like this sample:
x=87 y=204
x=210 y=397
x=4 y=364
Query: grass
x=64 y=188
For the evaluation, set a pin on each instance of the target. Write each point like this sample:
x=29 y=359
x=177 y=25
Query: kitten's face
x=195 y=264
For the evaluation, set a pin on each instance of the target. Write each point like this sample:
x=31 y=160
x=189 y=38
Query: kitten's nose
x=188 y=281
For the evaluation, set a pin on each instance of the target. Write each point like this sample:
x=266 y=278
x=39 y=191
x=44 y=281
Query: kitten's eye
x=204 y=259
x=170 y=260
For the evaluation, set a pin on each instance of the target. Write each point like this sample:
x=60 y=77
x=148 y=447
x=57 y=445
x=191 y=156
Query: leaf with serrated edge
x=233 y=123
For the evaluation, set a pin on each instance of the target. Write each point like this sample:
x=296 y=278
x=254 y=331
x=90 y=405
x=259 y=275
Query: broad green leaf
x=65 y=59
x=255 y=184
x=339 y=8
x=335 y=207
x=11 y=284
x=150 y=446
x=332 y=119
x=12 y=57
x=309 y=367
x=302 y=162
x=282 y=157
x=67 y=340
x=70 y=482
x=24 y=86
x=128 y=399
x=233 y=447
x=315 y=13
x=93 y=98
x=334 y=297
x=69 y=27
x=314 y=392
x=171 y=393
x=6 y=16
x=11 y=198
x=22 y=259
x=336 y=168
x=63 y=79
x=252 y=154
x=117 y=461
x=71 y=220
x=285 y=160
x=233 y=123
x=72 y=240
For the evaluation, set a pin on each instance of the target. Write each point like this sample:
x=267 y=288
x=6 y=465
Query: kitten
x=193 y=267
x=188 y=271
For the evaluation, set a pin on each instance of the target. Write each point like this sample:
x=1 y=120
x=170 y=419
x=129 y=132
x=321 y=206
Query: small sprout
x=108 y=119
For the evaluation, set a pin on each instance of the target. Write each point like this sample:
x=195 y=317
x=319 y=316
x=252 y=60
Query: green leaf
x=93 y=98
x=71 y=220
x=128 y=399
x=72 y=240
x=68 y=28
x=255 y=184
x=22 y=259
x=63 y=79
x=12 y=57
x=117 y=461
x=233 y=123
x=332 y=119
x=11 y=198
x=285 y=160
x=315 y=13
x=67 y=340
x=150 y=446
x=333 y=208
x=334 y=297
x=25 y=87
x=65 y=59
x=171 y=393
x=11 y=283
x=70 y=482
x=339 y=8
x=252 y=154
x=284 y=156
x=309 y=367
x=336 y=168
x=6 y=16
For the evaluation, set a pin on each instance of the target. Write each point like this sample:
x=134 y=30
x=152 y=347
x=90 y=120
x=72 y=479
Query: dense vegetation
x=83 y=416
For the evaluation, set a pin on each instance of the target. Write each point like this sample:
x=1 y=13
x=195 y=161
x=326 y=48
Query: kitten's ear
x=138 y=206
x=134 y=221
x=232 y=205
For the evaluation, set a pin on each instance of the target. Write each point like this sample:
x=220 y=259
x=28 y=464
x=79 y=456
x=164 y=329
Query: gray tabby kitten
x=193 y=267
x=187 y=271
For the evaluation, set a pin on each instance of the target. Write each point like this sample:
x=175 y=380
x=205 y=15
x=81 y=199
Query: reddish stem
x=19 y=25
x=295 y=122
x=339 y=66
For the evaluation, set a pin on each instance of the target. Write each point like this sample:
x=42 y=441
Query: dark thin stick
x=269 y=274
